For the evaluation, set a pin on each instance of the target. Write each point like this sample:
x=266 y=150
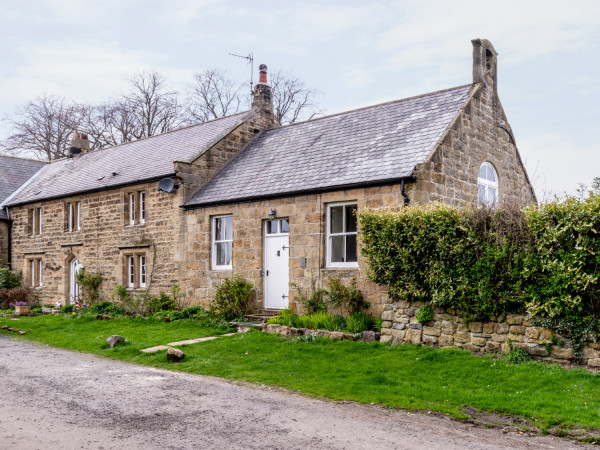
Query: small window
x=278 y=226
x=142 y=264
x=222 y=242
x=34 y=221
x=135 y=208
x=73 y=213
x=35 y=268
x=131 y=208
x=130 y=272
x=142 y=196
x=487 y=185
x=341 y=235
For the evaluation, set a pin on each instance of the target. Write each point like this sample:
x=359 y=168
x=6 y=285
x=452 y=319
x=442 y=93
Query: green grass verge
x=409 y=377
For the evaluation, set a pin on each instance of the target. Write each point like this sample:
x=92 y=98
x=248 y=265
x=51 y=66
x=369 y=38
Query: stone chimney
x=262 y=100
x=79 y=144
x=485 y=63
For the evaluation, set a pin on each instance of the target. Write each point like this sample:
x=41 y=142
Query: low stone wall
x=449 y=330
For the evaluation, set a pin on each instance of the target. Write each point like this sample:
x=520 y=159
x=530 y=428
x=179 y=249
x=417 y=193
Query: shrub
x=424 y=314
x=17 y=294
x=9 y=279
x=194 y=312
x=67 y=309
x=358 y=322
x=232 y=298
x=315 y=300
x=107 y=308
x=161 y=303
x=90 y=283
x=122 y=295
x=349 y=297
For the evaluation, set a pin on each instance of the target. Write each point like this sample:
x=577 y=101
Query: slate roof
x=133 y=162
x=14 y=172
x=365 y=146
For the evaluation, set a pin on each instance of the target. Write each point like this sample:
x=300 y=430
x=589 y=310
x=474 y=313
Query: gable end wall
x=450 y=173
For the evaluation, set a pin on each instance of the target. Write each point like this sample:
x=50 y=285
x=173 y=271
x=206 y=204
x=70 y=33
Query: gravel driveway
x=59 y=399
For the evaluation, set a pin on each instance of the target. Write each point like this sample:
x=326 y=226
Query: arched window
x=487 y=184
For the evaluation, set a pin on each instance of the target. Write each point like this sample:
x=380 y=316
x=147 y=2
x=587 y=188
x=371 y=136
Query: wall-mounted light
x=272 y=214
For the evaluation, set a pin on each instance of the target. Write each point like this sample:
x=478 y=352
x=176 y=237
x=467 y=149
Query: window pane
x=272 y=226
x=223 y=253
x=351 y=218
x=223 y=228
x=481 y=194
x=228 y=227
x=491 y=196
x=337 y=249
x=285 y=226
x=351 y=248
x=337 y=219
x=491 y=174
x=482 y=173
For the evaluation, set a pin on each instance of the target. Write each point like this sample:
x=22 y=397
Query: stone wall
x=400 y=326
x=3 y=243
x=306 y=215
x=450 y=173
x=103 y=241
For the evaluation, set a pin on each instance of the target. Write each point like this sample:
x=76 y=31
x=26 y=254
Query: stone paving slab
x=186 y=342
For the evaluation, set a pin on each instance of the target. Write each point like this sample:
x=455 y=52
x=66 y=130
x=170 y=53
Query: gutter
x=401 y=180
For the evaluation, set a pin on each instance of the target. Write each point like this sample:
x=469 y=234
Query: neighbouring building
x=275 y=205
x=14 y=172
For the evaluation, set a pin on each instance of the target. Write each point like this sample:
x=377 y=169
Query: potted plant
x=22 y=309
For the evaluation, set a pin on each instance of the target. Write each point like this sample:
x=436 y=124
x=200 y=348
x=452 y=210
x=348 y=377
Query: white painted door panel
x=276 y=274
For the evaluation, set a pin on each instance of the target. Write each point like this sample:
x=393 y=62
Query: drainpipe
x=9 y=223
x=403 y=192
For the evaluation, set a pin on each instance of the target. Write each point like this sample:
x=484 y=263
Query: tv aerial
x=250 y=59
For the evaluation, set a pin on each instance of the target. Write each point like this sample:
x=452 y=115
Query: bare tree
x=111 y=124
x=44 y=127
x=292 y=100
x=213 y=95
x=154 y=108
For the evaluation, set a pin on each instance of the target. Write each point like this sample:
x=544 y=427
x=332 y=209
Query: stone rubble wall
x=447 y=329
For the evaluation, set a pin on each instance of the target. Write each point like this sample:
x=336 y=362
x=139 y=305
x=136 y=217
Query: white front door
x=277 y=263
x=73 y=285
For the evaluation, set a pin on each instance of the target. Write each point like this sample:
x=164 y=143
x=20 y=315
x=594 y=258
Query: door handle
x=267 y=273
x=278 y=252
x=284 y=247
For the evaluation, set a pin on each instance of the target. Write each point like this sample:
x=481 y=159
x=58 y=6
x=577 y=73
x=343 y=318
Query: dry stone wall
x=447 y=329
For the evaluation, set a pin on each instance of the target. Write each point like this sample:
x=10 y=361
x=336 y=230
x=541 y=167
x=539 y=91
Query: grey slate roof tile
x=14 y=172
x=378 y=143
x=135 y=161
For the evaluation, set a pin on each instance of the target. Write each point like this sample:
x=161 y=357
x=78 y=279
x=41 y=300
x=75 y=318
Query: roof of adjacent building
x=371 y=145
x=137 y=161
x=14 y=172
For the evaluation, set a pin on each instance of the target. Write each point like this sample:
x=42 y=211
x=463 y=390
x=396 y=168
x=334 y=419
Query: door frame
x=266 y=236
x=73 y=284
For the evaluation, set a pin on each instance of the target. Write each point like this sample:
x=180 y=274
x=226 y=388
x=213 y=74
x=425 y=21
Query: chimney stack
x=262 y=99
x=485 y=63
x=79 y=144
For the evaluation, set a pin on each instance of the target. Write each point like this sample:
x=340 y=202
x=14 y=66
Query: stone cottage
x=118 y=210
x=14 y=172
x=281 y=213
x=276 y=205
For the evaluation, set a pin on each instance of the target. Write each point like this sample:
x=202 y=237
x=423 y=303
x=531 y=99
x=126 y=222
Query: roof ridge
x=24 y=159
x=157 y=135
x=372 y=106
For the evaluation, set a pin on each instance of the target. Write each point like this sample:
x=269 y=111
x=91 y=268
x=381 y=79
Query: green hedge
x=543 y=260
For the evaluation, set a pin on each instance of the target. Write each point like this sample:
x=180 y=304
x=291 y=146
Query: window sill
x=222 y=268
x=336 y=268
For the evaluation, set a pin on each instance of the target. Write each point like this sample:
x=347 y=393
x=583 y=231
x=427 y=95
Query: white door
x=277 y=263
x=73 y=285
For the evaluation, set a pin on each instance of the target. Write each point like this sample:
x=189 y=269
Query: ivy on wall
x=543 y=260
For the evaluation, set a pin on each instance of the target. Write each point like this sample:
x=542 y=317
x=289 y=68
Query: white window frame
x=32 y=264
x=71 y=217
x=40 y=267
x=142 y=270
x=487 y=184
x=132 y=208
x=78 y=215
x=329 y=236
x=142 y=201
x=130 y=271
x=40 y=220
x=214 y=242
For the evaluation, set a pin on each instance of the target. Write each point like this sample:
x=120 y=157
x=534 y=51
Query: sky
x=355 y=53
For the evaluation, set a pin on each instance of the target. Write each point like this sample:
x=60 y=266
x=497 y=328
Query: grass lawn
x=409 y=377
